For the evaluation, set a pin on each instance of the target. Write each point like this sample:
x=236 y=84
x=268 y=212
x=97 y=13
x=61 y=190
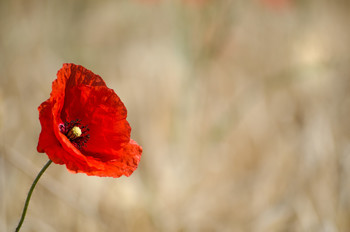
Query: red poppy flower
x=84 y=126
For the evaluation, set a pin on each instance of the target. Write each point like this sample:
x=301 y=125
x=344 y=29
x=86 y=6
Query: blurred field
x=242 y=109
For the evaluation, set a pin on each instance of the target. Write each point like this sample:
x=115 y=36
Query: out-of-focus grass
x=241 y=108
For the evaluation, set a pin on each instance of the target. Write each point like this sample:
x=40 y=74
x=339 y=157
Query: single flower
x=84 y=126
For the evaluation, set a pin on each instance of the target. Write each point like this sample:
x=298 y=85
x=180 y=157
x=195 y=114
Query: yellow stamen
x=74 y=133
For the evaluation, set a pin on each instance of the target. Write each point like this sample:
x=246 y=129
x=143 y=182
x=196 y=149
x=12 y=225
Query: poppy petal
x=47 y=140
x=126 y=164
x=102 y=111
x=73 y=75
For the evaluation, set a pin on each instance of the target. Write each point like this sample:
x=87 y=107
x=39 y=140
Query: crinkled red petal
x=73 y=75
x=48 y=141
x=102 y=111
x=126 y=163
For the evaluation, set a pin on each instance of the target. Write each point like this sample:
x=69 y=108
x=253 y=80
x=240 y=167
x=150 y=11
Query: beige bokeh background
x=242 y=109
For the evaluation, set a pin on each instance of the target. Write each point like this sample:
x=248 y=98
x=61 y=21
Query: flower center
x=77 y=134
x=74 y=133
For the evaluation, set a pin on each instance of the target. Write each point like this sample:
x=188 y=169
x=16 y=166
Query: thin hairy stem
x=30 y=194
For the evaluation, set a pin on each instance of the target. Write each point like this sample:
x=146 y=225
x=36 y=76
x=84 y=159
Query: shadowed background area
x=241 y=107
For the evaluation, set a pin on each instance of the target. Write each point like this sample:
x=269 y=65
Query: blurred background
x=242 y=109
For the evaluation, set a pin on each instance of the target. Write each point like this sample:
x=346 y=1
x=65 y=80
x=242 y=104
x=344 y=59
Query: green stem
x=30 y=194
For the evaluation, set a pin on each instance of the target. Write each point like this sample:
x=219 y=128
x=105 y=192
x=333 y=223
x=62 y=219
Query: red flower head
x=84 y=126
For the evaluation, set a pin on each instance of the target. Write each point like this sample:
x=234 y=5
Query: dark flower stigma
x=77 y=134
